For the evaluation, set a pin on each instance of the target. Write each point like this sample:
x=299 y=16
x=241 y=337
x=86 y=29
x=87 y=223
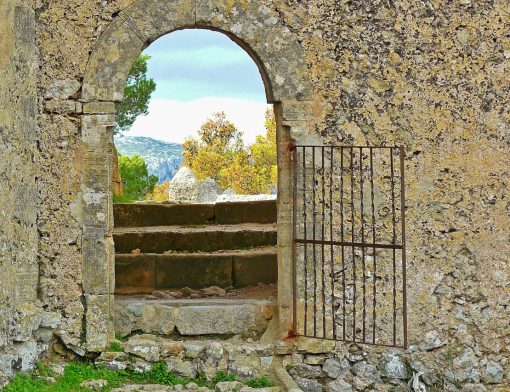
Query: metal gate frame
x=402 y=341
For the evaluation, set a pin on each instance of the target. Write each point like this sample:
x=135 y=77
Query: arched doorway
x=278 y=56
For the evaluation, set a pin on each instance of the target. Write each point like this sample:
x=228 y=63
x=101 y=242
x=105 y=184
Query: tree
x=214 y=150
x=136 y=181
x=137 y=93
x=219 y=153
x=160 y=192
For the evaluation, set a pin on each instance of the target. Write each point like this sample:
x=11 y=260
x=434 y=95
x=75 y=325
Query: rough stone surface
x=94 y=385
x=208 y=191
x=200 y=319
x=429 y=75
x=493 y=373
x=309 y=385
x=184 y=187
x=144 y=346
x=339 y=386
x=62 y=89
x=395 y=368
x=228 y=386
x=335 y=368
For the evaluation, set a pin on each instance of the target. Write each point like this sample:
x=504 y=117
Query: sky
x=197 y=73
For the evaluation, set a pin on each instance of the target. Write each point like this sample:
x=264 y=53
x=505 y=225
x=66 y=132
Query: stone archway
x=278 y=54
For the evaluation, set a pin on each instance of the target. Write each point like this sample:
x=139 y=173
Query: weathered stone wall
x=433 y=75
x=25 y=328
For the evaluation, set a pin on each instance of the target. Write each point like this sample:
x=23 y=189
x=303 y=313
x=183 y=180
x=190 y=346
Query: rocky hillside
x=163 y=158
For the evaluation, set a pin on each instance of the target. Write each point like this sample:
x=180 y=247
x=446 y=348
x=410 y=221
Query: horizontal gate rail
x=349 y=244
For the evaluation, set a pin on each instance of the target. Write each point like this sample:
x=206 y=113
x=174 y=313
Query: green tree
x=137 y=93
x=136 y=181
x=219 y=153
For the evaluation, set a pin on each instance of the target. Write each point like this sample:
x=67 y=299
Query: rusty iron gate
x=349 y=244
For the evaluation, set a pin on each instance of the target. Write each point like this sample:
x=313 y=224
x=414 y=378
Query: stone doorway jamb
x=278 y=54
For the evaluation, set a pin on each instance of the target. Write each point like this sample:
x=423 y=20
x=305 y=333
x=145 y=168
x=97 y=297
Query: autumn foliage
x=219 y=153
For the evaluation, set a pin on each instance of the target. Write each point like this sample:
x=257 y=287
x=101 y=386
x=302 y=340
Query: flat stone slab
x=193 y=270
x=250 y=269
x=135 y=273
x=139 y=215
x=145 y=214
x=193 y=317
x=144 y=273
x=160 y=239
x=246 y=212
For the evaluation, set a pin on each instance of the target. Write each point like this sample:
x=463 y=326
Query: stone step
x=141 y=215
x=159 y=239
x=144 y=273
x=192 y=317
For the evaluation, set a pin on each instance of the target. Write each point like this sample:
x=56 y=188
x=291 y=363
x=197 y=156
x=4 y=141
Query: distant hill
x=163 y=158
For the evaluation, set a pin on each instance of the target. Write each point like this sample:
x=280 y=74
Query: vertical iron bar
x=394 y=242
x=323 y=250
x=374 y=291
x=314 y=252
x=331 y=250
x=294 y=236
x=305 y=244
x=353 y=250
x=404 y=266
x=355 y=242
x=342 y=234
x=363 y=243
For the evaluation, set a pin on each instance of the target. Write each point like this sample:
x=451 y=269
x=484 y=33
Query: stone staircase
x=175 y=249
x=172 y=246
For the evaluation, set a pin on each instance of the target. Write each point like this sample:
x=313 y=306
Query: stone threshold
x=193 y=317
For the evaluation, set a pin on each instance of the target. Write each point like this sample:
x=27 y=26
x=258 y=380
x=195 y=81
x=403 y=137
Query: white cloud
x=212 y=56
x=173 y=121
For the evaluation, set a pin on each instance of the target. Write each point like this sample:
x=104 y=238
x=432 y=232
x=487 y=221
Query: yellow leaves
x=160 y=192
x=220 y=154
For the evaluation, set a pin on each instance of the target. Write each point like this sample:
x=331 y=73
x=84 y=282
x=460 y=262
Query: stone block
x=135 y=274
x=95 y=261
x=297 y=111
x=314 y=346
x=24 y=24
x=139 y=18
x=98 y=322
x=110 y=63
x=99 y=107
x=95 y=129
x=139 y=215
x=246 y=212
x=62 y=89
x=27 y=319
x=283 y=61
x=169 y=16
x=159 y=240
x=182 y=368
x=250 y=270
x=61 y=106
x=249 y=21
x=143 y=346
x=195 y=271
x=219 y=320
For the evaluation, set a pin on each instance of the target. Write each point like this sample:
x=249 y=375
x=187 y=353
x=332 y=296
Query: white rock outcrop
x=208 y=191
x=184 y=187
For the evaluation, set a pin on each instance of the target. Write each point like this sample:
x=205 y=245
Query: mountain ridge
x=163 y=158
